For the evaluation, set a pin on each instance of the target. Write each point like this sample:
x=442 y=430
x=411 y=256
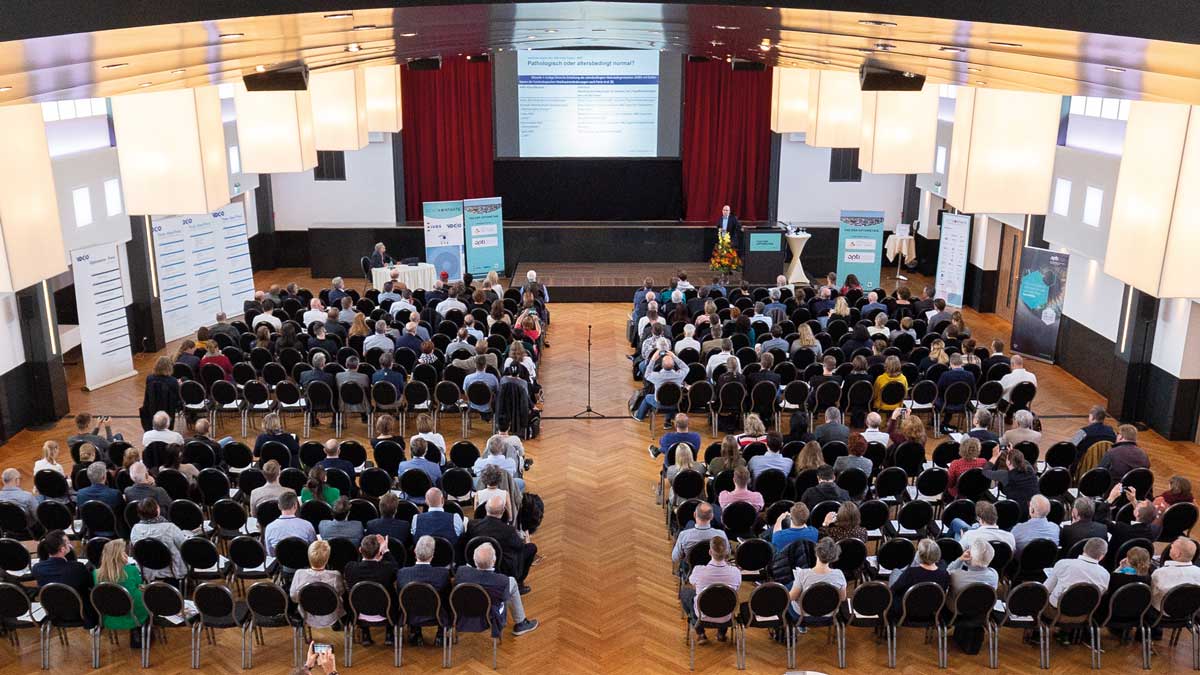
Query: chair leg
x=448 y=647
x=196 y=645
x=396 y=642
x=691 y=648
x=891 y=645
x=840 y=634
x=147 y=633
x=1195 y=646
x=495 y=648
x=44 y=644
x=1044 y=638
x=348 y=634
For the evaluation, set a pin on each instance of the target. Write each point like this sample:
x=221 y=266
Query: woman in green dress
x=116 y=568
x=317 y=488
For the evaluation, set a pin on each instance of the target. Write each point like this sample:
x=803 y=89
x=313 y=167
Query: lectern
x=763 y=254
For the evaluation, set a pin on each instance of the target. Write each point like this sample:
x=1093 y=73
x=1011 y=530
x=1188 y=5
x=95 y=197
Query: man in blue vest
x=501 y=589
x=436 y=522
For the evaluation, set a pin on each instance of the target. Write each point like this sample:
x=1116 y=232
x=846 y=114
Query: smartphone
x=321 y=648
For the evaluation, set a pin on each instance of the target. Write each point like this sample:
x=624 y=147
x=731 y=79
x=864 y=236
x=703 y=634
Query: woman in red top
x=214 y=356
x=968 y=453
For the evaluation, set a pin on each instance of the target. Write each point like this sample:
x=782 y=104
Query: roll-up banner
x=484 y=221
x=103 y=327
x=444 y=237
x=1040 y=296
x=952 y=257
x=203 y=263
x=860 y=246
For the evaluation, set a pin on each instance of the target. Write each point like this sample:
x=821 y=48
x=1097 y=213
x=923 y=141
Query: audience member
x=115 y=568
x=341 y=526
x=143 y=487
x=517 y=553
x=985 y=527
x=161 y=431
x=1125 y=455
x=716 y=572
x=833 y=429
x=374 y=566
x=741 y=491
x=151 y=525
x=856 y=444
x=1037 y=527
x=436 y=521
x=55 y=568
x=792 y=525
x=825 y=490
x=287 y=524
x=1082 y=526
x=968 y=458
x=269 y=491
x=1086 y=569
x=503 y=591
x=318 y=558
x=1023 y=432
x=1095 y=430
x=701 y=533
x=1017 y=376
x=973 y=567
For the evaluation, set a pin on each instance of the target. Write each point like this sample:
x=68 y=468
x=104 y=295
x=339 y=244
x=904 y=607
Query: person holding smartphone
x=319 y=656
x=87 y=430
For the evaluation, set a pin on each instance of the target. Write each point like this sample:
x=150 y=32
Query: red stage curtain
x=447 y=133
x=726 y=141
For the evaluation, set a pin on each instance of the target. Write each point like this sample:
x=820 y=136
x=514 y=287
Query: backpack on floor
x=529 y=518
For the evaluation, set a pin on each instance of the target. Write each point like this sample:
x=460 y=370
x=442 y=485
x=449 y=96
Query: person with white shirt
x=985 y=527
x=688 y=341
x=316 y=312
x=497 y=456
x=425 y=431
x=405 y=302
x=380 y=339
x=389 y=293
x=267 y=317
x=1017 y=376
x=1086 y=569
x=160 y=433
x=651 y=316
x=1175 y=572
x=873 y=434
x=682 y=284
x=49 y=460
x=721 y=357
x=451 y=302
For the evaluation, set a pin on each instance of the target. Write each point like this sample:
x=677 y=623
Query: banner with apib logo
x=860 y=247
x=101 y=297
x=1040 y=295
x=444 y=237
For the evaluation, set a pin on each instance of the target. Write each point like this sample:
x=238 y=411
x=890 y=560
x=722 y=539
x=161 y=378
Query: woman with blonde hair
x=425 y=431
x=49 y=460
x=318 y=558
x=937 y=354
x=730 y=457
x=262 y=339
x=841 y=309
x=754 y=431
x=359 y=326
x=892 y=372
x=806 y=340
x=115 y=568
x=809 y=457
x=131 y=457
x=385 y=429
x=684 y=460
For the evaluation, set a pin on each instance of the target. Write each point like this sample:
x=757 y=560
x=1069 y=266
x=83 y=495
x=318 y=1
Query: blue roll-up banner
x=484 y=219
x=444 y=237
x=860 y=246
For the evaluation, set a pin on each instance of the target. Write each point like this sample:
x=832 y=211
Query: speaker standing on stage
x=729 y=223
x=380 y=258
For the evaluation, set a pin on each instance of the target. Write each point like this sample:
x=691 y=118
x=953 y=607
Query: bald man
x=501 y=589
x=729 y=223
x=516 y=553
x=436 y=521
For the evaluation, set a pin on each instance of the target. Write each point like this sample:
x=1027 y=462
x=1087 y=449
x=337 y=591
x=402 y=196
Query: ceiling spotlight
x=866 y=50
x=408 y=35
x=953 y=50
x=876 y=22
x=366 y=26
x=716 y=43
x=765 y=46
x=720 y=27
x=339 y=15
x=1114 y=69
x=113 y=66
x=177 y=71
x=231 y=36
x=353 y=47
x=1005 y=44
x=824 y=62
x=260 y=68
x=551 y=30
x=530 y=37
x=144 y=84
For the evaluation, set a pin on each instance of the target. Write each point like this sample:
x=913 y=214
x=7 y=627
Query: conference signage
x=1040 y=296
x=203 y=263
x=484 y=222
x=764 y=241
x=952 y=258
x=100 y=297
x=444 y=237
x=860 y=246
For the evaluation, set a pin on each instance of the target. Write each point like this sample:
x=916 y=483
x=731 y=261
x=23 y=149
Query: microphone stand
x=588 y=412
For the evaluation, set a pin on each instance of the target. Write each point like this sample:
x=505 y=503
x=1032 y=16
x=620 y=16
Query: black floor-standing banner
x=1043 y=287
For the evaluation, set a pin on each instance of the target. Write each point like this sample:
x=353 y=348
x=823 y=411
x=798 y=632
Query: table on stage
x=795 y=271
x=421 y=275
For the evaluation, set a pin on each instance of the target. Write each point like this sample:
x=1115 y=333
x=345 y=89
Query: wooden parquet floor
x=604 y=594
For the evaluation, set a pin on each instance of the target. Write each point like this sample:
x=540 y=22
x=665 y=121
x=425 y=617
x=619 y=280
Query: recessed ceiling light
x=974 y=70
x=260 y=68
x=980 y=82
x=114 y=66
x=1114 y=69
x=408 y=35
x=551 y=30
x=339 y=15
x=353 y=47
x=953 y=50
x=766 y=46
x=720 y=27
x=4 y=89
x=1005 y=44
x=177 y=71
x=876 y=22
x=144 y=84
x=530 y=37
x=231 y=36
x=885 y=46
x=825 y=62
x=866 y=50
x=716 y=43
x=366 y=26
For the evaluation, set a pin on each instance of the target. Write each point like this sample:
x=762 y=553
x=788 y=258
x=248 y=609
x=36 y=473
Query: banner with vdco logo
x=100 y=297
x=860 y=247
x=444 y=237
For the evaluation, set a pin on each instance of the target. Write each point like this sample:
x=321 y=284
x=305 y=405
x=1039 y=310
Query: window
x=50 y=112
x=939 y=165
x=66 y=110
x=1093 y=200
x=1077 y=105
x=112 y=197
x=1062 y=196
x=843 y=166
x=1092 y=106
x=235 y=161
x=1123 y=110
x=83 y=206
x=53 y=111
x=331 y=165
x=83 y=107
x=99 y=107
x=1095 y=106
x=1109 y=107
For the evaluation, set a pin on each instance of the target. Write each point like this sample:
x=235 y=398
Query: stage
x=610 y=282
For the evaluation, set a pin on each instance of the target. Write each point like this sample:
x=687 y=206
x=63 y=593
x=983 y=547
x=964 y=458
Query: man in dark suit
x=1082 y=526
x=828 y=365
x=501 y=589
x=423 y=572
x=387 y=524
x=409 y=339
x=379 y=257
x=729 y=223
x=765 y=373
x=97 y=473
x=317 y=374
x=924 y=304
x=374 y=566
x=981 y=430
x=334 y=461
x=1142 y=526
x=56 y=569
x=386 y=374
x=516 y=554
x=953 y=376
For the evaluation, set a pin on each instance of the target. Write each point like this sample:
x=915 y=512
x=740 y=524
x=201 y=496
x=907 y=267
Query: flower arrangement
x=724 y=257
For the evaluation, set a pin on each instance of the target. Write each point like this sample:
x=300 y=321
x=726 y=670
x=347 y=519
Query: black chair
x=818 y=607
x=1126 y=612
x=894 y=554
x=268 y=608
x=203 y=561
x=152 y=556
x=248 y=560
x=753 y=556
x=15 y=561
x=420 y=605
x=766 y=608
x=971 y=608
x=111 y=600
x=292 y=553
x=64 y=609
x=921 y=607
x=716 y=600
x=375 y=482
x=854 y=482
x=186 y=515
x=1178 y=520
x=52 y=515
x=388 y=454
x=738 y=519
x=217 y=609
x=1179 y=608
x=415 y=483
x=51 y=484
x=213 y=485
x=867 y=607
x=14 y=522
x=314 y=511
x=370 y=598
x=16 y=612
x=1075 y=609
x=471 y=611
x=1035 y=557
x=772 y=484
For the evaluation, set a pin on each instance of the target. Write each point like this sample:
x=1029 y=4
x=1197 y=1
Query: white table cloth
x=421 y=275
x=904 y=245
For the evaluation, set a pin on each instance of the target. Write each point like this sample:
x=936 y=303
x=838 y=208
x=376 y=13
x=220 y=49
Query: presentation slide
x=591 y=103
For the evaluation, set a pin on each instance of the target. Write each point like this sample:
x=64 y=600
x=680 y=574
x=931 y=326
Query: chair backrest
x=1178 y=520
x=769 y=601
x=247 y=552
x=14 y=602
x=717 y=600
x=973 y=602
x=1128 y=605
x=415 y=482
x=470 y=603
x=213 y=601
x=62 y=603
x=895 y=554
x=1181 y=603
x=292 y=552
x=162 y=599
x=318 y=599
x=921 y=604
x=199 y=553
x=819 y=600
x=266 y=599
x=370 y=597
x=871 y=599
x=1079 y=602
x=1027 y=599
